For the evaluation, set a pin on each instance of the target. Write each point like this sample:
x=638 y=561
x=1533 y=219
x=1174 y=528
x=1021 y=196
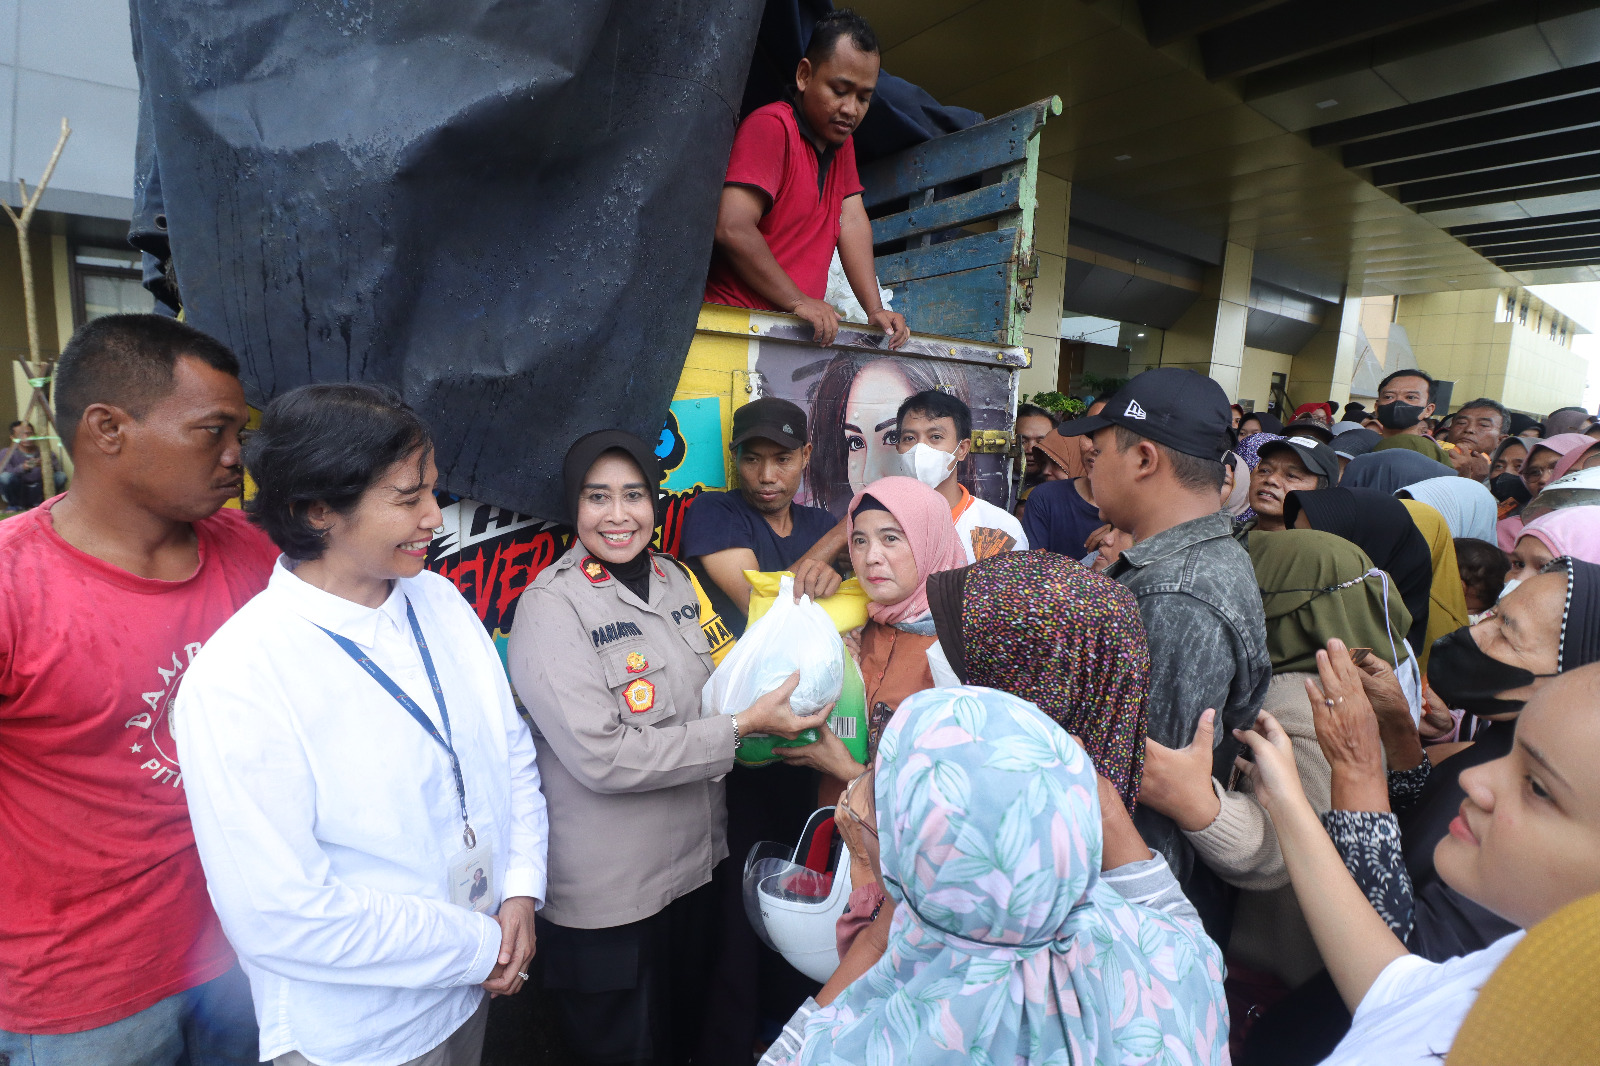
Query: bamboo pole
x=39 y=371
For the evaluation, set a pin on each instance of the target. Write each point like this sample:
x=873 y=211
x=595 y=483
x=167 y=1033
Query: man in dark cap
x=759 y=526
x=1157 y=473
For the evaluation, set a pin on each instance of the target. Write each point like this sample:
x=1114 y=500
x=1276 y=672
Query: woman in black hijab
x=1548 y=625
x=1266 y=422
x=1379 y=525
x=611 y=647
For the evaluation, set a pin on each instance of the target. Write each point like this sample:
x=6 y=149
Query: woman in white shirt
x=1525 y=843
x=363 y=792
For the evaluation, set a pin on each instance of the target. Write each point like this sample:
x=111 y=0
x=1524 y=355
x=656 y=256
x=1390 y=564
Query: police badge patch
x=593 y=570
x=641 y=696
x=637 y=663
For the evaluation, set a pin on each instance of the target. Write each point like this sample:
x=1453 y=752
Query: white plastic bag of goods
x=790 y=636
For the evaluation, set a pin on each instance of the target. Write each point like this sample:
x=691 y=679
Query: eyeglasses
x=846 y=804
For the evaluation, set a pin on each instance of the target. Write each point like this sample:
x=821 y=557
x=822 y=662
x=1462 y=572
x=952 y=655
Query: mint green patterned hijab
x=1006 y=947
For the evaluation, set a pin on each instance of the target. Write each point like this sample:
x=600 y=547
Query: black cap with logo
x=769 y=418
x=1314 y=455
x=1187 y=412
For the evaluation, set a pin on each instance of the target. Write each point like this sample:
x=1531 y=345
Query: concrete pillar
x=1323 y=368
x=1209 y=338
x=1041 y=329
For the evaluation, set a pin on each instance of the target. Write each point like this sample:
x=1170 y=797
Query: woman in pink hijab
x=1576 y=459
x=1547 y=460
x=899 y=531
x=1573 y=531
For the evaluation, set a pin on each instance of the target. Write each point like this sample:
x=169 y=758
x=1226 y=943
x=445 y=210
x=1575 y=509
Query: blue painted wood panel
x=968 y=303
x=961 y=210
x=981 y=249
x=996 y=143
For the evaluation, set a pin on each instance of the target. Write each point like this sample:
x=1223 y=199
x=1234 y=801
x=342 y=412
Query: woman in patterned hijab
x=1007 y=945
x=1040 y=626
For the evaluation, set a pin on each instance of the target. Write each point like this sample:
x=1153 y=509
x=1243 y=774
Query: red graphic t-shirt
x=103 y=905
x=807 y=189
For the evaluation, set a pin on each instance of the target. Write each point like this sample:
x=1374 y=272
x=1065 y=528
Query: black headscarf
x=635 y=573
x=1269 y=424
x=1448 y=924
x=1580 y=623
x=1522 y=423
x=1379 y=525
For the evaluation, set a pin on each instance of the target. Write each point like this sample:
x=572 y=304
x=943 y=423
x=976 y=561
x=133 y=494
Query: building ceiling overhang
x=1358 y=142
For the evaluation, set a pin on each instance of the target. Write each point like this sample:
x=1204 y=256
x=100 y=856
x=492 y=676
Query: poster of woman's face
x=851 y=400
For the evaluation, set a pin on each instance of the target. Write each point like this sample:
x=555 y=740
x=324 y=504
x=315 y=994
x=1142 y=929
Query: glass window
x=103 y=295
x=109 y=282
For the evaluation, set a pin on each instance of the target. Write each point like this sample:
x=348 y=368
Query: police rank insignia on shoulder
x=641 y=696
x=637 y=663
x=593 y=570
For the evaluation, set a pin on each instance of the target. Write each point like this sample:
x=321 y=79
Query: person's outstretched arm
x=855 y=255
x=740 y=241
x=1354 y=942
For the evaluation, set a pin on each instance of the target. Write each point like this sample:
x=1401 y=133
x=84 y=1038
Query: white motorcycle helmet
x=1580 y=489
x=794 y=896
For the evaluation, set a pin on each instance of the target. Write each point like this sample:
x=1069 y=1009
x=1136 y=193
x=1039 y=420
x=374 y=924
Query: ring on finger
x=522 y=975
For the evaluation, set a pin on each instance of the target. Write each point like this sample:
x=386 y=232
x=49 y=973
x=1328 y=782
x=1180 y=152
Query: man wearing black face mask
x=1404 y=400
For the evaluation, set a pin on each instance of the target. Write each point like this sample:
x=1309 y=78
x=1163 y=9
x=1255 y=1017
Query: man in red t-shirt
x=110 y=952
x=792 y=194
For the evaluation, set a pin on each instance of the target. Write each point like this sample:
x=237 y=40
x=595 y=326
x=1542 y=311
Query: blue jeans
x=209 y=1025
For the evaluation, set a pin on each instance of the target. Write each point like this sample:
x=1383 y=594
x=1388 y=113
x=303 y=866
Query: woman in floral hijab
x=1008 y=946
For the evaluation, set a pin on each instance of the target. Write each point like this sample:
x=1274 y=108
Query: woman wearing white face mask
x=935 y=436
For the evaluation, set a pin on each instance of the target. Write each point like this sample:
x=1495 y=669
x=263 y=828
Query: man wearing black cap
x=1294 y=464
x=1156 y=475
x=759 y=527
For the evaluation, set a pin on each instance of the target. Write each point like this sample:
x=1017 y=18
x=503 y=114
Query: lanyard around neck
x=445 y=741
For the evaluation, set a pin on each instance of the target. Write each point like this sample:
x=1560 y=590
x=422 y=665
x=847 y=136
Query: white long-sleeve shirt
x=327 y=818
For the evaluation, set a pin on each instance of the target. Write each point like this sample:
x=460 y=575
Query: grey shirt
x=1208 y=647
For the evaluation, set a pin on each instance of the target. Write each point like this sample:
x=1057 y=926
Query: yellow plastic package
x=847 y=607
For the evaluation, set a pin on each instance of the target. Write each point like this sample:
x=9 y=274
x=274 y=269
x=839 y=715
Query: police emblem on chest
x=637 y=663
x=641 y=696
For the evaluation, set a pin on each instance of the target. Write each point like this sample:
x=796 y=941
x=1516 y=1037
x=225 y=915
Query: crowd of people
x=1231 y=740
x=1273 y=776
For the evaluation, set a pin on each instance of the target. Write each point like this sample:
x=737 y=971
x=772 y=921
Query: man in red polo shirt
x=110 y=952
x=792 y=194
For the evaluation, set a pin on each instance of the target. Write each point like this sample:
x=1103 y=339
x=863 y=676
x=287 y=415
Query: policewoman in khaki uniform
x=608 y=653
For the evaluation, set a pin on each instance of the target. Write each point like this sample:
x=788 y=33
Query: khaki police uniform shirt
x=632 y=772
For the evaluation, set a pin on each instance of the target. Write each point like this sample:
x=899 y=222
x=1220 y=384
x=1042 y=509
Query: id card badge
x=472 y=879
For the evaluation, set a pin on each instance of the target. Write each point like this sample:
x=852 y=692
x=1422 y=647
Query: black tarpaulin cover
x=505 y=209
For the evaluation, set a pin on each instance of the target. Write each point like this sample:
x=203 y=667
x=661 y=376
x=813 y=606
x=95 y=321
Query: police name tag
x=472 y=879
